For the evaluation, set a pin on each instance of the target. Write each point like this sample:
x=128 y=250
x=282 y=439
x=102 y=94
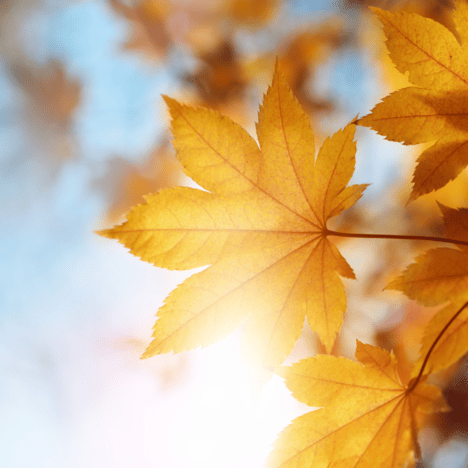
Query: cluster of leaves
x=261 y=225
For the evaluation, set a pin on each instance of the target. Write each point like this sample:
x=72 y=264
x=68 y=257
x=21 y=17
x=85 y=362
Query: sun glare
x=223 y=424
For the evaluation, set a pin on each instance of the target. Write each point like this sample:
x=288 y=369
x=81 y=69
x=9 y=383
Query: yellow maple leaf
x=451 y=325
x=261 y=225
x=436 y=108
x=438 y=276
x=369 y=418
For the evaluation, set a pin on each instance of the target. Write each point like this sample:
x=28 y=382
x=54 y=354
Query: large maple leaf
x=261 y=225
x=436 y=108
x=369 y=418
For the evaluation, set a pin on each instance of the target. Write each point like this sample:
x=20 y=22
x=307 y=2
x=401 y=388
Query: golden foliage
x=435 y=108
x=369 y=418
x=261 y=226
x=438 y=276
x=453 y=344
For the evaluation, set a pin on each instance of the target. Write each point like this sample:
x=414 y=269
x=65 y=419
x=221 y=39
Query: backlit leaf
x=369 y=418
x=437 y=108
x=452 y=345
x=437 y=276
x=261 y=226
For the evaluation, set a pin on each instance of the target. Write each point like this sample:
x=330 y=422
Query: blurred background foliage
x=85 y=136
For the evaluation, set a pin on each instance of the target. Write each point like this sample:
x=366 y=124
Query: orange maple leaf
x=436 y=108
x=261 y=225
x=369 y=418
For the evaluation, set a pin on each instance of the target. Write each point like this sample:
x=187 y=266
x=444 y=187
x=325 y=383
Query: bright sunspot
x=223 y=424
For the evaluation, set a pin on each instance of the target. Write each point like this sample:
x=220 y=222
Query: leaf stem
x=439 y=336
x=327 y=232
